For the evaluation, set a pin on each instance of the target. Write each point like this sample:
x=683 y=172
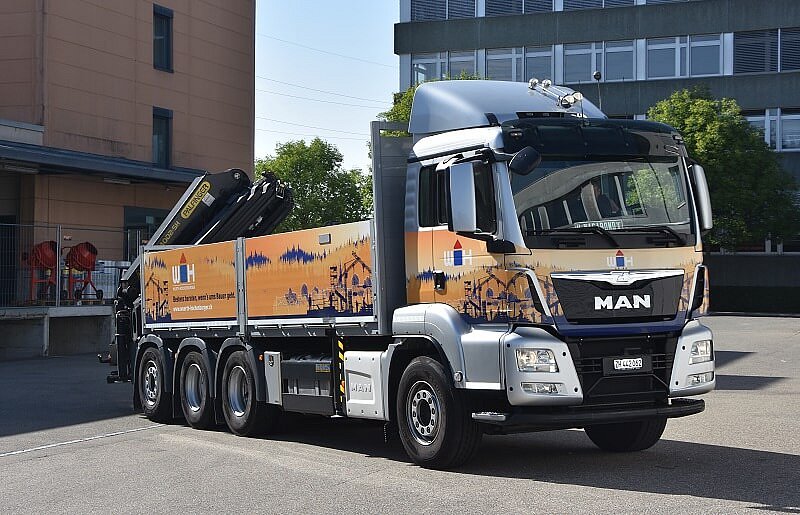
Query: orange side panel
x=314 y=273
x=190 y=284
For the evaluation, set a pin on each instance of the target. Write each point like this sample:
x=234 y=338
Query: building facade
x=644 y=50
x=108 y=108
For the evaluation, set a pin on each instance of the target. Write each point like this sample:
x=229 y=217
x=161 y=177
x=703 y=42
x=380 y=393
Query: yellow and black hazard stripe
x=340 y=345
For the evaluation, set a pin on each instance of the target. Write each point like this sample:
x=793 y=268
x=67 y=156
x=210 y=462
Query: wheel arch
x=151 y=341
x=403 y=351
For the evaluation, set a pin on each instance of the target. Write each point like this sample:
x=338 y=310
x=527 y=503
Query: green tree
x=324 y=192
x=751 y=195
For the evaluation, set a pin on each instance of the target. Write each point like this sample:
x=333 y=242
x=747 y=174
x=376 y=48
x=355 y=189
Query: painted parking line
x=79 y=440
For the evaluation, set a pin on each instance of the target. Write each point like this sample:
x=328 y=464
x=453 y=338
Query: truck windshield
x=626 y=202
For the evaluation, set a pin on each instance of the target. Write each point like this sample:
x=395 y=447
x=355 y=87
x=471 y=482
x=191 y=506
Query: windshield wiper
x=578 y=230
x=663 y=229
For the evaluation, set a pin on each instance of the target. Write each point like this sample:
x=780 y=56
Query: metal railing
x=55 y=265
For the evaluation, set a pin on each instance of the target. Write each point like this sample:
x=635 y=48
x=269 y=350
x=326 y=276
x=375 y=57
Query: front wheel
x=435 y=426
x=156 y=401
x=627 y=436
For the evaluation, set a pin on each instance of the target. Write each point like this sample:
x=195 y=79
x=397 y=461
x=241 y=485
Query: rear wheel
x=244 y=415
x=195 y=394
x=156 y=401
x=627 y=436
x=435 y=426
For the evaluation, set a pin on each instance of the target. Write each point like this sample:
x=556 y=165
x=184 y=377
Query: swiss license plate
x=627 y=364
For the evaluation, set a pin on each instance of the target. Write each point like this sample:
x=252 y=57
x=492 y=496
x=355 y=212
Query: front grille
x=601 y=388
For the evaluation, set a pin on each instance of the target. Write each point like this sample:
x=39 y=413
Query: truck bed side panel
x=311 y=275
x=190 y=285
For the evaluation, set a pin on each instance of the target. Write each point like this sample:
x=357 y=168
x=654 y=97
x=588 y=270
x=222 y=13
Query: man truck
x=530 y=265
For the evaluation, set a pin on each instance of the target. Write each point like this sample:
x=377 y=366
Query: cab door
x=467 y=276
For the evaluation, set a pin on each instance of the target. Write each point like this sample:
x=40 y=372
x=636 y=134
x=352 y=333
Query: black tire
x=435 y=426
x=627 y=436
x=156 y=401
x=244 y=415
x=196 y=401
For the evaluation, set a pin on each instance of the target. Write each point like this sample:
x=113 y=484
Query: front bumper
x=584 y=381
x=522 y=420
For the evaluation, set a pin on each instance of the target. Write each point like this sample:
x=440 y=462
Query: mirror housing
x=464 y=216
x=525 y=161
x=703 y=198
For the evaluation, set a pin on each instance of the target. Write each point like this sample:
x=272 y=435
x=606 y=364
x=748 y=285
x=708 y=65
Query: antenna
x=597 y=76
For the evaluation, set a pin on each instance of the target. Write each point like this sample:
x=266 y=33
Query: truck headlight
x=701 y=352
x=536 y=360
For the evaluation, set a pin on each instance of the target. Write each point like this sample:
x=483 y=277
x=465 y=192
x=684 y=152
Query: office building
x=645 y=50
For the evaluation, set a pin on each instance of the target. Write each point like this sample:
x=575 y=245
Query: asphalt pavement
x=70 y=443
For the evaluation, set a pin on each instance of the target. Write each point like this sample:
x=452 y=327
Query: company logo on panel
x=458 y=256
x=183 y=273
x=619 y=260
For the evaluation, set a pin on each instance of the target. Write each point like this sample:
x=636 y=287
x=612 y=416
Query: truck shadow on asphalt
x=767 y=480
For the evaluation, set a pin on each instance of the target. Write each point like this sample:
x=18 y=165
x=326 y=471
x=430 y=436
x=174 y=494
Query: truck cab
x=561 y=251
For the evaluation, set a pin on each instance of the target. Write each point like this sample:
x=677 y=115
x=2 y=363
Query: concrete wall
x=37 y=332
x=755 y=283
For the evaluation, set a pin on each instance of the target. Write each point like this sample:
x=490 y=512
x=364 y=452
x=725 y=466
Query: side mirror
x=703 y=199
x=525 y=161
x=462 y=198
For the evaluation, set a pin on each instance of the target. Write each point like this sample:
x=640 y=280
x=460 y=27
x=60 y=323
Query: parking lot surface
x=71 y=443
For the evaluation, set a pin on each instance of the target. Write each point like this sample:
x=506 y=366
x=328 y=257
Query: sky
x=323 y=68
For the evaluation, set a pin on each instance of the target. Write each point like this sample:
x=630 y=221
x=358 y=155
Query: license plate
x=628 y=364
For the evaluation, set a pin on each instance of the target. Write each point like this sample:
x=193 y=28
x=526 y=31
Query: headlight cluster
x=701 y=352
x=536 y=360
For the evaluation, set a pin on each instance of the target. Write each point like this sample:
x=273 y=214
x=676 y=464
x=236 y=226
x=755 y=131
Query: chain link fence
x=54 y=265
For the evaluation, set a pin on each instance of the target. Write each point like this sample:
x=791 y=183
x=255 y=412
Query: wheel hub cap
x=423 y=413
x=238 y=391
x=195 y=387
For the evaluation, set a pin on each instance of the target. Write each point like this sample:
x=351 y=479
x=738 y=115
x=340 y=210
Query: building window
x=705 y=55
x=539 y=62
x=755 y=51
x=504 y=63
x=503 y=7
x=426 y=10
x=581 y=60
x=570 y=5
x=790 y=129
x=460 y=9
x=429 y=10
x=618 y=3
x=683 y=56
x=666 y=57
x=790 y=49
x=425 y=67
x=162 y=137
x=538 y=6
x=619 y=61
x=461 y=64
x=162 y=38
x=780 y=127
